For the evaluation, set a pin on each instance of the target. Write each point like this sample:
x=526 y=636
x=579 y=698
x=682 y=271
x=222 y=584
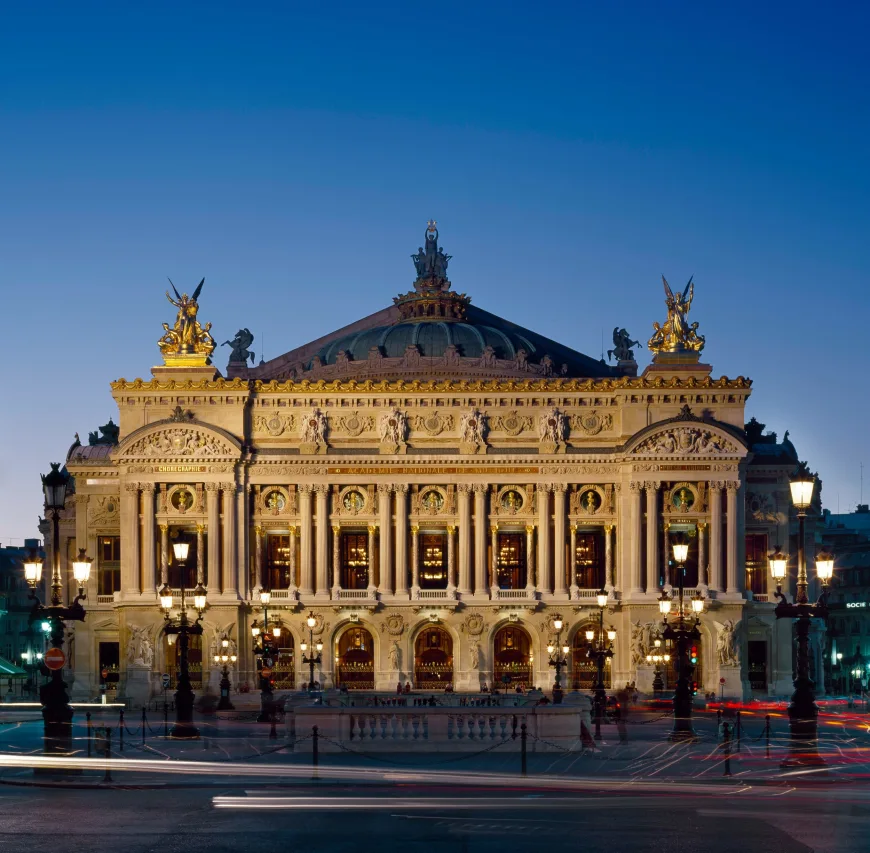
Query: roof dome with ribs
x=430 y=332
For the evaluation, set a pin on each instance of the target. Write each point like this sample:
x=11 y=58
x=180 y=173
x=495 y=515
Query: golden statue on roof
x=677 y=335
x=187 y=342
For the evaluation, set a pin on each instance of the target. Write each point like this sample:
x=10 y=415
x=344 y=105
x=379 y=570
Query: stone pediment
x=179 y=441
x=687 y=436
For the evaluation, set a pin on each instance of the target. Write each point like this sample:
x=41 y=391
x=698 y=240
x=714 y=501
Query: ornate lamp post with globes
x=56 y=710
x=264 y=640
x=602 y=653
x=184 y=630
x=313 y=659
x=683 y=634
x=558 y=658
x=224 y=703
x=803 y=713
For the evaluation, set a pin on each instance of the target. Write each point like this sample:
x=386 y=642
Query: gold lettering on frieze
x=684 y=468
x=433 y=469
x=182 y=469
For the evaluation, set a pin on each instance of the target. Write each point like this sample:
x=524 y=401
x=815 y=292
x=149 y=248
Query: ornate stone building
x=437 y=485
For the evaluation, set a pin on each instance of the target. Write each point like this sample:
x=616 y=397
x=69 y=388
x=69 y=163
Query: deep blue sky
x=571 y=153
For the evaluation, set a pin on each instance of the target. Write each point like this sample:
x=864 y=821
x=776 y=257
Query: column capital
x=530 y=528
x=336 y=528
x=200 y=527
x=733 y=485
x=305 y=488
x=384 y=488
x=636 y=487
x=320 y=488
x=716 y=485
x=131 y=487
x=212 y=487
x=163 y=527
x=450 y=529
x=415 y=529
x=702 y=525
x=401 y=488
x=258 y=529
x=373 y=528
x=651 y=486
x=544 y=488
x=146 y=487
x=573 y=528
x=558 y=488
x=608 y=528
x=493 y=529
x=480 y=488
x=464 y=488
x=228 y=487
x=83 y=499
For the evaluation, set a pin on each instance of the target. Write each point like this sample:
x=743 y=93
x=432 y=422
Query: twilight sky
x=571 y=152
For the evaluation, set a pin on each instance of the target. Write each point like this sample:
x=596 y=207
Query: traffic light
x=693 y=655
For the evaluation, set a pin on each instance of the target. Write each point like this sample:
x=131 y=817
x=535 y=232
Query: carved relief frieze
x=685 y=441
x=104 y=511
x=511 y=500
x=353 y=424
x=433 y=423
x=590 y=499
x=472 y=432
x=188 y=442
x=552 y=431
x=392 y=432
x=682 y=498
x=275 y=424
x=512 y=423
x=591 y=423
x=431 y=500
x=313 y=427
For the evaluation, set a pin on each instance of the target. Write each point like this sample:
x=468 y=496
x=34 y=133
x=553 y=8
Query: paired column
x=415 y=561
x=336 y=559
x=451 y=557
x=372 y=530
x=306 y=580
x=703 y=577
x=130 y=551
x=716 y=536
x=212 y=505
x=560 y=587
x=164 y=556
x=149 y=537
x=402 y=539
x=574 y=588
x=667 y=550
x=258 y=559
x=464 y=491
x=731 y=543
x=493 y=571
x=243 y=525
x=609 y=584
x=652 y=536
x=230 y=583
x=322 y=492
x=291 y=559
x=545 y=565
x=200 y=556
x=385 y=495
x=480 y=585
x=636 y=532
x=530 y=553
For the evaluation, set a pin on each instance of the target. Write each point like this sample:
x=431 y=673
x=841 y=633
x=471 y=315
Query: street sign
x=55 y=658
x=104 y=673
x=165 y=680
x=265 y=672
x=721 y=680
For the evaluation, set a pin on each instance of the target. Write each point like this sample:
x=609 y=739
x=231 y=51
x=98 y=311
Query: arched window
x=355 y=652
x=512 y=657
x=433 y=659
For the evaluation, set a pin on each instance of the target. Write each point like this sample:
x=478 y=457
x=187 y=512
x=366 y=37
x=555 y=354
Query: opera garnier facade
x=437 y=486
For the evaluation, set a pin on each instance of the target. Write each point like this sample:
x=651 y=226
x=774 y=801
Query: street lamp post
x=57 y=713
x=656 y=658
x=602 y=652
x=184 y=630
x=264 y=640
x=224 y=703
x=840 y=672
x=803 y=712
x=683 y=634
x=558 y=658
x=311 y=660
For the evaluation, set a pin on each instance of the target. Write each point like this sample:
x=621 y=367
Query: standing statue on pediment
x=677 y=335
x=431 y=262
x=186 y=338
x=239 y=352
x=622 y=344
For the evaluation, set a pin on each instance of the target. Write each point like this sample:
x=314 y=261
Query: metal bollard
x=165 y=719
x=88 y=729
x=108 y=776
x=121 y=729
x=739 y=730
x=143 y=725
x=726 y=746
x=767 y=735
x=523 y=738
x=314 y=756
x=718 y=722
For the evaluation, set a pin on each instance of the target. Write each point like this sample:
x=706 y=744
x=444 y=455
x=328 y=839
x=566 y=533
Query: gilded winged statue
x=677 y=335
x=186 y=337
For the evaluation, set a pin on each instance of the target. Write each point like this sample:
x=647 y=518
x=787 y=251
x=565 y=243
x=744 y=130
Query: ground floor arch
x=172 y=656
x=584 y=667
x=512 y=657
x=433 y=659
x=355 y=659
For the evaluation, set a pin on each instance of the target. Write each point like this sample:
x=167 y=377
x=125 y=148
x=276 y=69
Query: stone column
x=200 y=556
x=372 y=530
x=716 y=536
x=230 y=581
x=559 y=587
x=149 y=536
x=480 y=525
x=636 y=527
x=130 y=545
x=258 y=558
x=451 y=557
x=291 y=568
x=545 y=565
x=306 y=580
x=212 y=495
x=703 y=576
x=322 y=522
x=731 y=542
x=652 y=536
x=415 y=561
x=385 y=561
x=336 y=559
x=402 y=539
x=243 y=526
x=464 y=507
x=667 y=549
x=609 y=585
x=574 y=588
x=164 y=555
x=493 y=570
x=530 y=553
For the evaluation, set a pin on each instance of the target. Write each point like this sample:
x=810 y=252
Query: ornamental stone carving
x=761 y=507
x=312 y=431
x=552 y=429
x=188 y=442
x=394 y=625
x=472 y=431
x=726 y=645
x=393 y=430
x=685 y=441
x=642 y=637
x=275 y=424
x=474 y=624
x=105 y=511
x=433 y=423
x=354 y=424
x=512 y=423
x=591 y=423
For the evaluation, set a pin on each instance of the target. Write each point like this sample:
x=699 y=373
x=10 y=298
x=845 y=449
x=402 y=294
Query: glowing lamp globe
x=825 y=566
x=255 y=630
x=276 y=631
x=590 y=635
x=664 y=604
x=82 y=567
x=33 y=570
x=303 y=646
x=166 y=598
x=611 y=635
x=802 y=490
x=565 y=650
x=181 y=550
x=265 y=596
x=681 y=551
x=778 y=564
x=311 y=621
x=557 y=624
x=601 y=598
x=697 y=603
x=199 y=597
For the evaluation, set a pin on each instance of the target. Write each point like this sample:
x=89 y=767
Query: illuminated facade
x=437 y=485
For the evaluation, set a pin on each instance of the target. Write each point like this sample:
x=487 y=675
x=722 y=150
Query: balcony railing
x=515 y=594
